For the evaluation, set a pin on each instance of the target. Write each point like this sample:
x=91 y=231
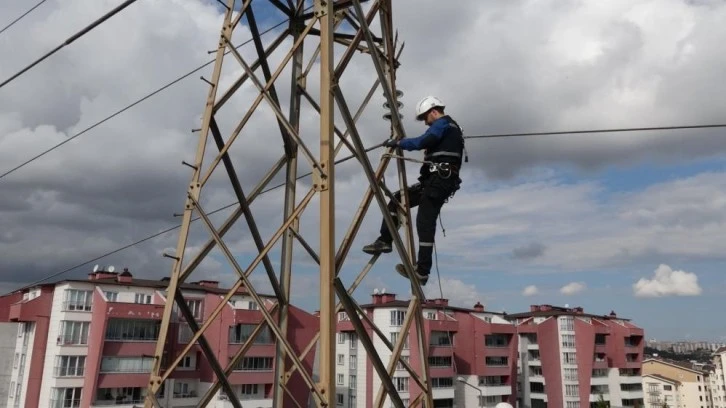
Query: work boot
x=422 y=277
x=377 y=247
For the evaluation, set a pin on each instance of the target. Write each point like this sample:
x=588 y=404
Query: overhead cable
x=570 y=132
x=71 y=39
x=127 y=107
x=152 y=236
x=12 y=23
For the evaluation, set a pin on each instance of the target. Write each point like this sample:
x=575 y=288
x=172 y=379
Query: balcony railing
x=109 y=402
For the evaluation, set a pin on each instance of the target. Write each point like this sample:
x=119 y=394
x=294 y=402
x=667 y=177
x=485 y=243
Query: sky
x=630 y=222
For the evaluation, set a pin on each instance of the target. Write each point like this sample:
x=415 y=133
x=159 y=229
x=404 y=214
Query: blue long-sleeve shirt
x=430 y=138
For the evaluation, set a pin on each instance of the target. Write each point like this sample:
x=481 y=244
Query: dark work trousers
x=429 y=195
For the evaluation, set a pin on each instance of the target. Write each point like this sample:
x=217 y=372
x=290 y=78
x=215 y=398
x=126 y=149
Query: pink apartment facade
x=90 y=343
x=569 y=358
x=472 y=355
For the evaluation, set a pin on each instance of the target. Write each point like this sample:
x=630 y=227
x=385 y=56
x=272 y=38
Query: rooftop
x=125 y=278
x=550 y=310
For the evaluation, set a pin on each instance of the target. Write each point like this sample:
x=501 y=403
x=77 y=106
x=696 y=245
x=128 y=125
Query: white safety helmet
x=503 y=405
x=426 y=104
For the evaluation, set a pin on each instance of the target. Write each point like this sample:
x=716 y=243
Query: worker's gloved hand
x=390 y=143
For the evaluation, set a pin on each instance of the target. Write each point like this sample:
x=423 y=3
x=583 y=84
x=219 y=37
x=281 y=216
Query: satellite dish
x=95 y=268
x=111 y=268
x=375 y=291
x=567 y=305
x=383 y=291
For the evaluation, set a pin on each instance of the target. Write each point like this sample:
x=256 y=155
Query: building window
x=667 y=387
x=397 y=317
x=353 y=361
x=341 y=359
x=249 y=389
x=341 y=379
x=401 y=384
x=132 y=330
x=496 y=340
x=240 y=333
x=567 y=323
x=394 y=339
x=568 y=341
x=142 y=298
x=341 y=338
x=442 y=382
x=78 y=300
x=399 y=364
x=352 y=382
x=255 y=364
x=495 y=361
x=572 y=390
x=569 y=358
x=195 y=306
x=126 y=364
x=72 y=332
x=253 y=306
x=66 y=397
x=440 y=361
x=571 y=374
x=441 y=338
x=573 y=404
x=111 y=296
x=339 y=398
x=70 y=366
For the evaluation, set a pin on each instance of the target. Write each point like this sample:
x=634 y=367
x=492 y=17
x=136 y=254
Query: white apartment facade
x=717 y=378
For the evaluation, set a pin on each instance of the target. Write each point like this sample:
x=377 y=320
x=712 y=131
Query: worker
x=443 y=143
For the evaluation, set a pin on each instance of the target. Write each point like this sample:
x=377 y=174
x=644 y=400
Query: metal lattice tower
x=317 y=26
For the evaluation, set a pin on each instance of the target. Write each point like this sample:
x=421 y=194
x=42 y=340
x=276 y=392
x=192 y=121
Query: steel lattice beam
x=320 y=27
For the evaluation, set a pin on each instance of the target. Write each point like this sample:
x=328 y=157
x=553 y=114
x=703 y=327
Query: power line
x=72 y=38
x=127 y=107
x=12 y=23
x=152 y=236
x=569 y=132
x=342 y=161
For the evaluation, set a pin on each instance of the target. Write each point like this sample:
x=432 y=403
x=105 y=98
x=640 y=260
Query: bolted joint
x=321 y=8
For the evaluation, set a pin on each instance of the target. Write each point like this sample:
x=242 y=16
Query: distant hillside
x=702 y=356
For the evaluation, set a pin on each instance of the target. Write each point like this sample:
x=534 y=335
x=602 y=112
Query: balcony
x=494 y=390
x=26 y=310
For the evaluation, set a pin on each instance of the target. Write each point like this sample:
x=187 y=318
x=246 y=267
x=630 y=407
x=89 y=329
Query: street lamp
x=481 y=394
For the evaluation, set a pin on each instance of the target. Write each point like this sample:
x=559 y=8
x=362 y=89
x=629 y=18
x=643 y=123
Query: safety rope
x=438 y=167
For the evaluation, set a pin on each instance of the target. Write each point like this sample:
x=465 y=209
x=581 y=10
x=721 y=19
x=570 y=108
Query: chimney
x=101 y=275
x=441 y=302
x=377 y=297
x=125 y=276
x=479 y=307
x=612 y=314
x=533 y=308
x=579 y=310
x=208 y=283
x=388 y=297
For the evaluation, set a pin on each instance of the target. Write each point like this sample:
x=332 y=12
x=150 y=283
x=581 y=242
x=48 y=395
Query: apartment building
x=571 y=359
x=472 y=355
x=674 y=383
x=90 y=343
x=717 y=378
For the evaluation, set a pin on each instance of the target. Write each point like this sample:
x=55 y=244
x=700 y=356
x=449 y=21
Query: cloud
x=530 y=290
x=573 y=288
x=667 y=282
x=541 y=66
x=529 y=251
x=458 y=292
